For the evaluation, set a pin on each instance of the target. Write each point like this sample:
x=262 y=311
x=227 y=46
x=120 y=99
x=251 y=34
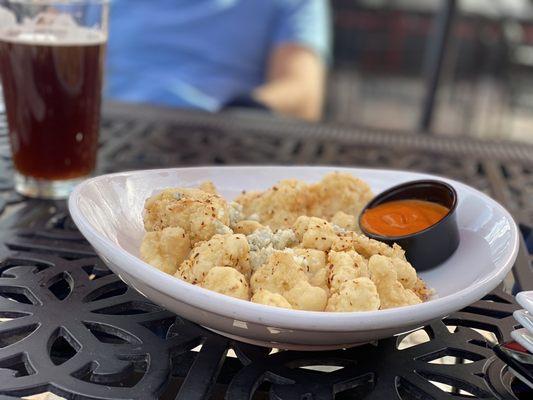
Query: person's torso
x=197 y=53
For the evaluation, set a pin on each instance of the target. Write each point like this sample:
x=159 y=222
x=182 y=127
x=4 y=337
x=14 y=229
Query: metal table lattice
x=73 y=328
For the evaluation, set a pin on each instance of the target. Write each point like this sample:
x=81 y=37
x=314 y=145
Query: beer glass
x=51 y=65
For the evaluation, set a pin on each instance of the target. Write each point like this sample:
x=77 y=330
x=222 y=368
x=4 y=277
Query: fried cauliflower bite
x=406 y=272
x=229 y=250
x=228 y=281
x=166 y=249
x=345 y=266
x=263 y=296
x=277 y=207
x=304 y=296
x=365 y=246
x=200 y=214
x=391 y=292
x=283 y=275
x=421 y=290
x=321 y=279
x=208 y=187
x=315 y=259
x=278 y=275
x=336 y=192
x=315 y=267
x=247 y=227
x=347 y=222
x=314 y=233
x=359 y=294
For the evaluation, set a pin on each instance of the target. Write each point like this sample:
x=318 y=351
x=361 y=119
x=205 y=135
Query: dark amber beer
x=52 y=98
x=51 y=69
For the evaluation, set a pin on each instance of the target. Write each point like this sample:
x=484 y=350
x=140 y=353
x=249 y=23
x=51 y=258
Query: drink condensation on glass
x=51 y=65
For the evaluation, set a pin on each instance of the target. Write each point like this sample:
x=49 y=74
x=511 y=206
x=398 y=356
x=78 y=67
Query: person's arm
x=295 y=82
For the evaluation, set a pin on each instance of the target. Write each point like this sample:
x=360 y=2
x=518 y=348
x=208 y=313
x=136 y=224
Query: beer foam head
x=47 y=28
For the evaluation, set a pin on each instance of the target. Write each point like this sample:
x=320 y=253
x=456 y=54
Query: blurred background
x=442 y=67
x=384 y=52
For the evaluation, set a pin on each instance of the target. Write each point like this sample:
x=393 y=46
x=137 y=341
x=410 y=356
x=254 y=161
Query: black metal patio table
x=71 y=327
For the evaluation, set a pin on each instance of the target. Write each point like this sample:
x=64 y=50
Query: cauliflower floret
x=316 y=259
x=359 y=294
x=277 y=207
x=228 y=281
x=345 y=266
x=278 y=275
x=283 y=275
x=303 y=296
x=421 y=290
x=347 y=222
x=320 y=279
x=336 y=192
x=391 y=292
x=165 y=249
x=208 y=187
x=228 y=250
x=199 y=213
x=247 y=227
x=314 y=233
x=263 y=296
x=406 y=272
x=365 y=246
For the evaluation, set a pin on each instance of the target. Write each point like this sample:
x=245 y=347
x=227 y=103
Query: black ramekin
x=432 y=246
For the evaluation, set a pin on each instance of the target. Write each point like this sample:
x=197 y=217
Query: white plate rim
x=280 y=317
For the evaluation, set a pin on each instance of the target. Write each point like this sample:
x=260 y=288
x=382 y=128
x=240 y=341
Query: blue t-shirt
x=203 y=53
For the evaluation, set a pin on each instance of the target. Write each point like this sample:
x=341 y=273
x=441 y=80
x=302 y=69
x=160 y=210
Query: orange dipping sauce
x=402 y=217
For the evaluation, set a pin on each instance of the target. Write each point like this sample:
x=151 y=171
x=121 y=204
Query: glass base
x=43 y=188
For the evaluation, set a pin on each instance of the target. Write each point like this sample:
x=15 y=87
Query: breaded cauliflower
x=345 y=266
x=200 y=214
x=304 y=296
x=208 y=187
x=347 y=222
x=279 y=206
x=421 y=290
x=315 y=259
x=391 y=292
x=228 y=250
x=295 y=245
x=336 y=192
x=263 y=296
x=321 y=279
x=406 y=272
x=228 y=281
x=314 y=233
x=365 y=246
x=278 y=275
x=283 y=275
x=247 y=227
x=359 y=294
x=166 y=249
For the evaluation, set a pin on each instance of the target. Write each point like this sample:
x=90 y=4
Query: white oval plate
x=108 y=211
